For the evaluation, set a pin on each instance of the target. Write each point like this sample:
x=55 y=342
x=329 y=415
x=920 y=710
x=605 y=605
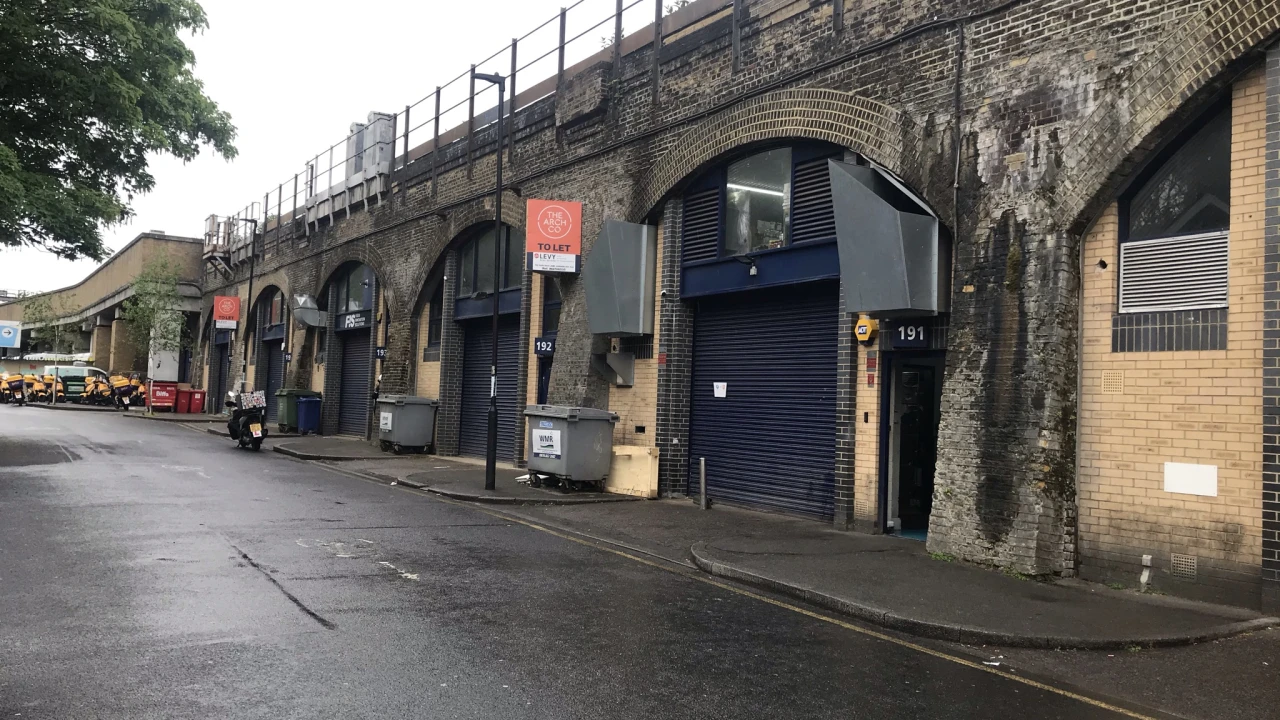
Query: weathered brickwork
x=1057 y=103
x=1202 y=407
x=866 y=451
x=1271 y=343
x=637 y=406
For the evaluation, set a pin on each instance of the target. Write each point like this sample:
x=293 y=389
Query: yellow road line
x=779 y=603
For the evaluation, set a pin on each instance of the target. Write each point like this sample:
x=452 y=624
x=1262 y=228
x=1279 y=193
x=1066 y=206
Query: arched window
x=1173 y=251
x=355 y=290
x=476 y=271
x=765 y=201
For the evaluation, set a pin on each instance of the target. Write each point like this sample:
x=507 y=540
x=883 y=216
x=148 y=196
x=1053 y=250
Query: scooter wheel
x=257 y=444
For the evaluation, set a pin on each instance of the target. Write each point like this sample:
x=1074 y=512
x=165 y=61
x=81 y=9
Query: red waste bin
x=164 y=395
x=197 y=401
x=184 y=402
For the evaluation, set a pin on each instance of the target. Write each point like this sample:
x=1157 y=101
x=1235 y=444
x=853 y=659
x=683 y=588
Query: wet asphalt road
x=149 y=571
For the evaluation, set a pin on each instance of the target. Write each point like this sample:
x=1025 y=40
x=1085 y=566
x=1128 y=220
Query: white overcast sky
x=294 y=74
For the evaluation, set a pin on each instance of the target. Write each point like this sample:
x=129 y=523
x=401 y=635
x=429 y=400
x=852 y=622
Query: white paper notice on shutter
x=720 y=389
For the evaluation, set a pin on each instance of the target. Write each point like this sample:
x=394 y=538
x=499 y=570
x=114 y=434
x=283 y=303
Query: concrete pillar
x=100 y=345
x=123 y=354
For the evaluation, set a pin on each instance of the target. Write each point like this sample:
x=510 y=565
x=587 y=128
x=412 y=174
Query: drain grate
x=1183 y=566
x=1112 y=382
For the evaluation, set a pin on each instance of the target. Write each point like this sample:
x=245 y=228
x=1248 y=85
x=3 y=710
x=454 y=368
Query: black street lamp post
x=491 y=446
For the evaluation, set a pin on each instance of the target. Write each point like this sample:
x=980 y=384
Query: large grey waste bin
x=406 y=422
x=571 y=443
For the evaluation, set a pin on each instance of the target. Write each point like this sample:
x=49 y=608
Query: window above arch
x=1190 y=193
x=1174 y=244
x=476 y=271
x=355 y=290
x=767 y=200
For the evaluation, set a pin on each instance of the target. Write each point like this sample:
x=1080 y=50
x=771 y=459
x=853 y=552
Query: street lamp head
x=494 y=78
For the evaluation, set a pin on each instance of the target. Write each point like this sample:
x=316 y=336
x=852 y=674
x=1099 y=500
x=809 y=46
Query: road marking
x=972 y=664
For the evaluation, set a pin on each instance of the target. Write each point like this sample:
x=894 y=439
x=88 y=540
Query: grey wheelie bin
x=574 y=444
x=406 y=423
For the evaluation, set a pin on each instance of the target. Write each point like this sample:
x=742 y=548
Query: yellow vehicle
x=54 y=388
x=15 y=389
x=97 y=391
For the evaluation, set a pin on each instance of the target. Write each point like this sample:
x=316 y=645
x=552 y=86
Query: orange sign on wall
x=226 y=311
x=553 y=238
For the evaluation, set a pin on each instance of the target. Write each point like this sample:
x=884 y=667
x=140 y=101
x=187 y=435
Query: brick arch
x=457 y=229
x=275 y=281
x=861 y=124
x=1195 y=59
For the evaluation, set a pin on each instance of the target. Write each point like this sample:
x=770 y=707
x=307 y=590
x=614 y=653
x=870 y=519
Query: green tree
x=152 y=318
x=88 y=88
x=44 y=312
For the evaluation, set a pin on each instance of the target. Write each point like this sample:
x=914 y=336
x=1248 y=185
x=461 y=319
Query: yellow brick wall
x=638 y=404
x=427 y=382
x=1190 y=407
x=866 y=441
x=535 y=329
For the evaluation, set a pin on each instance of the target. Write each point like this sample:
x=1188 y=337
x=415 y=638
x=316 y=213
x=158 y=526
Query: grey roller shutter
x=771 y=441
x=1177 y=273
x=474 y=430
x=353 y=399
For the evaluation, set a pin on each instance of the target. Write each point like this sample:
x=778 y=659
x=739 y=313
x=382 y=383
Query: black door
x=917 y=445
x=763 y=402
x=220 y=377
x=544 y=378
x=275 y=375
x=353 y=397
x=474 y=430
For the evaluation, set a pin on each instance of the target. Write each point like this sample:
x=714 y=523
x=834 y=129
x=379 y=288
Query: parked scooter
x=17 y=390
x=247 y=425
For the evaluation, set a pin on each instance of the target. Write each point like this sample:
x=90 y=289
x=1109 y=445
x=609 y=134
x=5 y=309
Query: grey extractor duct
x=307 y=312
x=619 y=280
x=895 y=258
x=618 y=277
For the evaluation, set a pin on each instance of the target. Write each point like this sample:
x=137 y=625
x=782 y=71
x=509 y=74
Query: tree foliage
x=45 y=311
x=151 y=315
x=87 y=89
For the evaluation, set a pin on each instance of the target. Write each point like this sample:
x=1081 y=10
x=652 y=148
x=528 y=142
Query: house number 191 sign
x=910 y=335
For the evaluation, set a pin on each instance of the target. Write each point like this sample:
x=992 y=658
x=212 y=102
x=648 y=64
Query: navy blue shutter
x=812 y=215
x=275 y=376
x=771 y=442
x=353 y=397
x=700 y=226
x=477 y=349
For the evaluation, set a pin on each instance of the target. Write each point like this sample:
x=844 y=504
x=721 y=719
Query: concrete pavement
x=173 y=576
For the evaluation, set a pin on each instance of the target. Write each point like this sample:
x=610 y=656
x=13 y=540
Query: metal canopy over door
x=474 y=431
x=353 y=399
x=275 y=375
x=763 y=409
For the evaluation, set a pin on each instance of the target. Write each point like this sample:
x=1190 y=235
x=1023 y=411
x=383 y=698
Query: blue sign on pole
x=10 y=334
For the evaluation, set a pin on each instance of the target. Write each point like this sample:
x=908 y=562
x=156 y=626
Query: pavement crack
x=326 y=624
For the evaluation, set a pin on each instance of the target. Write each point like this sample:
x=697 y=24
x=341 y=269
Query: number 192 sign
x=909 y=335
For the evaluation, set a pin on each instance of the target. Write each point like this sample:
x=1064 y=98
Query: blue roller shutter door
x=770 y=442
x=275 y=376
x=474 y=430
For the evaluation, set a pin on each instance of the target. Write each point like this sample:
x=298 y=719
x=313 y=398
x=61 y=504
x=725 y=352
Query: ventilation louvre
x=1178 y=273
x=1183 y=566
x=700 y=226
x=813 y=217
x=1112 y=382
